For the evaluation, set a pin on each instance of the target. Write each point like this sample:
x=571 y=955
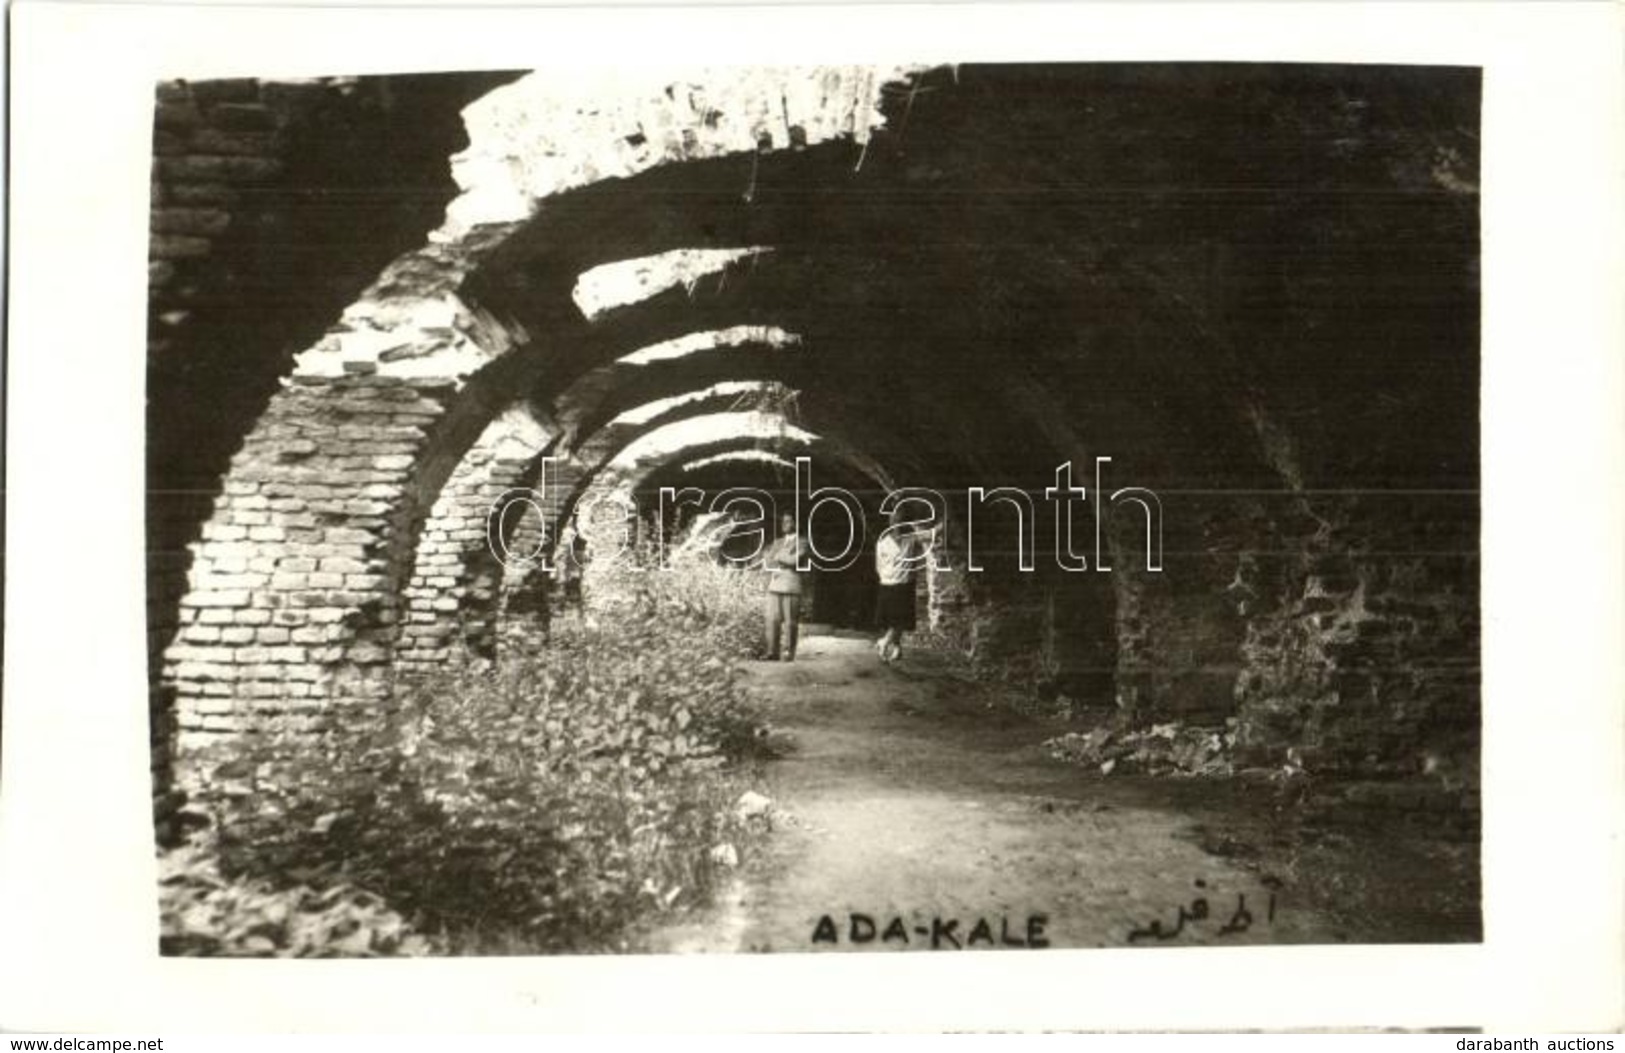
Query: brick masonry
x=310 y=558
x=453 y=595
x=295 y=584
x=347 y=539
x=1341 y=629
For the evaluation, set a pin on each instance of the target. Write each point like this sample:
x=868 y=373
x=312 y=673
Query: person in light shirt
x=895 y=556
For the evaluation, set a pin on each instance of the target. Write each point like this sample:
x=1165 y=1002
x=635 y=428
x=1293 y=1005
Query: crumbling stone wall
x=1340 y=630
x=947 y=592
x=1362 y=641
x=1050 y=628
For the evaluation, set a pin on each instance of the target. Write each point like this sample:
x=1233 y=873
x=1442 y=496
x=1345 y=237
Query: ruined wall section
x=1341 y=631
x=219 y=153
x=452 y=599
x=274 y=203
x=1178 y=633
x=291 y=599
x=1363 y=640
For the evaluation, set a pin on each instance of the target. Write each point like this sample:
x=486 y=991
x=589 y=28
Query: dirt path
x=907 y=798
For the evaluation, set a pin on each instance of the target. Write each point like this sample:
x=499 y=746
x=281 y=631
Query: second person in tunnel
x=896 y=554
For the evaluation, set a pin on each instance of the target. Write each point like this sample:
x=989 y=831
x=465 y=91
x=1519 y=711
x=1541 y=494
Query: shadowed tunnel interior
x=1246 y=291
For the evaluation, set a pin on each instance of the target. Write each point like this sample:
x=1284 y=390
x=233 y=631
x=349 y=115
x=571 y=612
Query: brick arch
x=451 y=596
x=299 y=579
x=459 y=589
x=609 y=391
x=618 y=462
x=737 y=457
x=590 y=468
x=522 y=606
x=628 y=475
x=460 y=586
x=623 y=470
x=586 y=414
x=944 y=591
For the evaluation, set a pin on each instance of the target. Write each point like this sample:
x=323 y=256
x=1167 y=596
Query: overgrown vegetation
x=550 y=802
x=205 y=913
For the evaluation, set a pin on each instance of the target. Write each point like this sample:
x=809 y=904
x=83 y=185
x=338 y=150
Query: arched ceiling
x=708 y=435
x=1168 y=266
x=604 y=393
x=751 y=458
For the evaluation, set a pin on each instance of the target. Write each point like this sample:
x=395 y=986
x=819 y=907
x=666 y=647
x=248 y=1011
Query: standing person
x=895 y=554
x=783 y=588
x=570 y=567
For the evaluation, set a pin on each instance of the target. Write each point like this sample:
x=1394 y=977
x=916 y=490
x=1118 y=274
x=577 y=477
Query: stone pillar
x=292 y=591
x=294 y=595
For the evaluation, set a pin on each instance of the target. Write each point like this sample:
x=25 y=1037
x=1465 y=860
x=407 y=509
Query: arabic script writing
x=1200 y=911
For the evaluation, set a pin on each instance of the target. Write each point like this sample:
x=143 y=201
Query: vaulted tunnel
x=842 y=599
x=964 y=277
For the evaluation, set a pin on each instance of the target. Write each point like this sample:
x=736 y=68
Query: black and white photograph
x=952 y=507
x=824 y=510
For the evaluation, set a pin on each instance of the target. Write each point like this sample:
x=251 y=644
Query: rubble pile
x=1161 y=749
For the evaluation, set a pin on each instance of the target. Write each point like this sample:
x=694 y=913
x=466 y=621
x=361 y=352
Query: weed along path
x=910 y=815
